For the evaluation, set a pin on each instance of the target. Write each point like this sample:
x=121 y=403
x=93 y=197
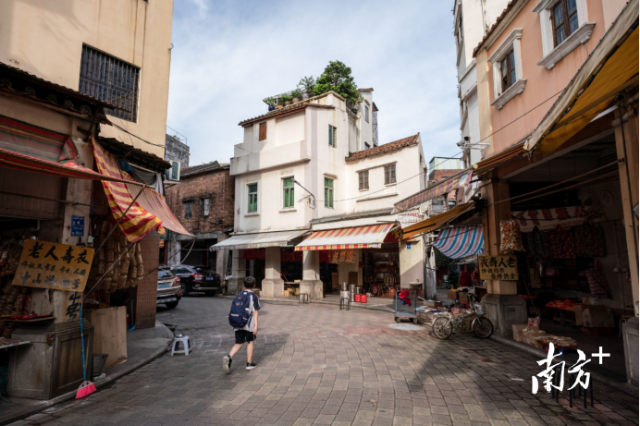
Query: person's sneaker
x=226 y=364
x=251 y=366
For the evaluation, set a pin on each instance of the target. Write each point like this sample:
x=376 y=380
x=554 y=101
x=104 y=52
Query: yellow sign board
x=51 y=265
x=498 y=268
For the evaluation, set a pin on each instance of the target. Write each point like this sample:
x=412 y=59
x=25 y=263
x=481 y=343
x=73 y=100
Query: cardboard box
x=110 y=334
x=452 y=294
x=530 y=337
x=287 y=292
x=517 y=332
x=433 y=303
x=596 y=316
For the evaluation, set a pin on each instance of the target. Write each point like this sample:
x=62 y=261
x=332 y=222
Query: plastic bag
x=510 y=237
x=533 y=322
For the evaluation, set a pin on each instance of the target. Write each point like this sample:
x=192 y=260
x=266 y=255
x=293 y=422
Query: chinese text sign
x=498 y=268
x=51 y=265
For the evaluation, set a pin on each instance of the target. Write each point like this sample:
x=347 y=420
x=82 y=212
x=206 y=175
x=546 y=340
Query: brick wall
x=216 y=185
x=147 y=289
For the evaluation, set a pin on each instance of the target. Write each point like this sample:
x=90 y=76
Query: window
x=363 y=178
x=111 y=80
x=366 y=113
x=205 y=204
x=506 y=62
x=288 y=192
x=564 y=18
x=188 y=209
x=332 y=136
x=262 y=135
x=389 y=174
x=328 y=192
x=173 y=173
x=508 y=70
x=564 y=26
x=253 y=197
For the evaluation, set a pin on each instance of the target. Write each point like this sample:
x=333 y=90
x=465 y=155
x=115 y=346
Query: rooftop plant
x=337 y=77
x=270 y=101
x=296 y=93
x=307 y=84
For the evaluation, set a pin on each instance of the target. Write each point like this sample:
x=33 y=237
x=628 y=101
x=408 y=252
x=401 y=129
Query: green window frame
x=328 y=192
x=332 y=136
x=252 y=190
x=288 y=193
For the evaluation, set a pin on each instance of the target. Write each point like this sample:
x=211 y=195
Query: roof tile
x=385 y=149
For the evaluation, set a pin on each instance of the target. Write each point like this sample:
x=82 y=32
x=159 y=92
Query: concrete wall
x=46 y=37
x=175 y=150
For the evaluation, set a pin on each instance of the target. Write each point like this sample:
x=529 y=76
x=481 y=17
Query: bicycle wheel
x=482 y=327
x=442 y=328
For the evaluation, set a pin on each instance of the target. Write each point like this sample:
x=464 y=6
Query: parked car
x=197 y=279
x=169 y=289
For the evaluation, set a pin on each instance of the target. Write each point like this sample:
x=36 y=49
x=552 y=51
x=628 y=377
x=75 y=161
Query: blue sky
x=229 y=55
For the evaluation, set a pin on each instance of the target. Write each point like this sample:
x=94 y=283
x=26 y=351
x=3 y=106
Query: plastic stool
x=185 y=345
x=464 y=305
x=304 y=298
x=345 y=304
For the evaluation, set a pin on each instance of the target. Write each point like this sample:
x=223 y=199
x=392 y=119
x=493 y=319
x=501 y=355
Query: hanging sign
x=77 y=226
x=51 y=265
x=498 y=268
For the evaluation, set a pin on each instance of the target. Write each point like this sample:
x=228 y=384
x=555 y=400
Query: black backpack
x=239 y=314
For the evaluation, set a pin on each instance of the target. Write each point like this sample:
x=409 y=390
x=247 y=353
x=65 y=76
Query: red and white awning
x=371 y=236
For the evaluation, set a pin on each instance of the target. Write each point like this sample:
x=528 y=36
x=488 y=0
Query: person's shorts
x=244 y=336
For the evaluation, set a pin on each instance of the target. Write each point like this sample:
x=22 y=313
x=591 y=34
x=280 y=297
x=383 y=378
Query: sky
x=228 y=55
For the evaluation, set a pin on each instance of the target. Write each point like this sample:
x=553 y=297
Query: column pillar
x=504 y=307
x=238 y=272
x=272 y=285
x=311 y=283
x=221 y=257
x=626 y=133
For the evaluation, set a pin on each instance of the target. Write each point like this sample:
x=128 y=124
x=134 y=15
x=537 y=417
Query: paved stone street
x=319 y=365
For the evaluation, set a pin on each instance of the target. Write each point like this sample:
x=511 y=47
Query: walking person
x=244 y=320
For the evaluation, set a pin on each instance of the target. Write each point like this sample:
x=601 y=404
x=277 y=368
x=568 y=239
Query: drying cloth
x=404 y=296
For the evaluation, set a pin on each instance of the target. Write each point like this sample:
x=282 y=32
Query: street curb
x=43 y=405
x=625 y=387
x=292 y=303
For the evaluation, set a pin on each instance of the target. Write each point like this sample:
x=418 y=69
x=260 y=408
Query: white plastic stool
x=185 y=345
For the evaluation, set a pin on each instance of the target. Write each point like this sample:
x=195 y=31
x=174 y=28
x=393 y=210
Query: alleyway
x=318 y=365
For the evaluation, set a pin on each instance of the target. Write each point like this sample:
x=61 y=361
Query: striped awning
x=371 y=236
x=138 y=222
x=438 y=190
x=498 y=159
x=461 y=241
x=155 y=203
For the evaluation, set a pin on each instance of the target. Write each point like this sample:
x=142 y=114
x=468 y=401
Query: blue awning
x=461 y=241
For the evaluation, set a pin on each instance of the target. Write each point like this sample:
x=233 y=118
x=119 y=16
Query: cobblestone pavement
x=319 y=365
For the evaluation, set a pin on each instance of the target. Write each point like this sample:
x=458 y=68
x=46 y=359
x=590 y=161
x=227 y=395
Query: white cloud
x=229 y=55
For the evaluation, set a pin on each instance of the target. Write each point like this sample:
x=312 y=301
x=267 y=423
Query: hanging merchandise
x=350 y=256
x=562 y=243
x=598 y=285
x=510 y=237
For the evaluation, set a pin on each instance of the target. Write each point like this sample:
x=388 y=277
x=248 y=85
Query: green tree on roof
x=337 y=77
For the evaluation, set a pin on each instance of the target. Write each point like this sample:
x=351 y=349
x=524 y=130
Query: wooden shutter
x=263 y=131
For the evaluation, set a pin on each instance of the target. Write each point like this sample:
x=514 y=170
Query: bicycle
x=481 y=326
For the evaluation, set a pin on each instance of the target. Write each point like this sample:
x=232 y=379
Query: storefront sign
x=498 y=268
x=50 y=265
x=77 y=226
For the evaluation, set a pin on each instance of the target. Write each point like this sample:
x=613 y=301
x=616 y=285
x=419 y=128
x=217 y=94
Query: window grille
x=111 y=80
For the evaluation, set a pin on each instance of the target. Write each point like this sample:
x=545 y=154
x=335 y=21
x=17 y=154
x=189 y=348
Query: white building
x=472 y=19
x=314 y=166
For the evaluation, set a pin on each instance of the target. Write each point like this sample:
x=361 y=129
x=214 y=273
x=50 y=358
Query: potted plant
x=296 y=95
x=286 y=99
x=280 y=103
x=271 y=102
x=306 y=85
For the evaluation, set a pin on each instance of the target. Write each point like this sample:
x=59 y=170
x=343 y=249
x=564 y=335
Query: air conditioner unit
x=173 y=173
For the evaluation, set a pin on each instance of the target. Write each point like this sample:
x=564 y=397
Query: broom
x=86 y=388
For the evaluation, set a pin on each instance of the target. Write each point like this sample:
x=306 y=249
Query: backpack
x=239 y=314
